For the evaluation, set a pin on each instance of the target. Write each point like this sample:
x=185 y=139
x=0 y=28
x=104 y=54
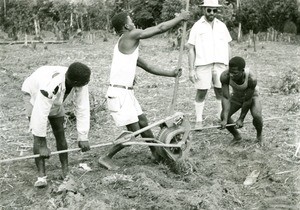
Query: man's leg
x=199 y=107
x=115 y=149
x=256 y=112
x=40 y=147
x=39 y=161
x=38 y=142
x=217 y=70
x=57 y=125
x=218 y=93
x=236 y=134
x=143 y=122
x=106 y=160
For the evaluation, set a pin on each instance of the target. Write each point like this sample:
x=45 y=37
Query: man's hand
x=44 y=152
x=239 y=123
x=185 y=15
x=84 y=145
x=178 y=72
x=193 y=76
x=223 y=124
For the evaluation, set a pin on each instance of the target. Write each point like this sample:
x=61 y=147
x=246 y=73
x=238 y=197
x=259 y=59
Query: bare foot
x=259 y=140
x=65 y=172
x=236 y=140
x=107 y=163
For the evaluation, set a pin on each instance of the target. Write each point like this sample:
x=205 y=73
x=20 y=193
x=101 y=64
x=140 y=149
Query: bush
x=291 y=82
x=290 y=27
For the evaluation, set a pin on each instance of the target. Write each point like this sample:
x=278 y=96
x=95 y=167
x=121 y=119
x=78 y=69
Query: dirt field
x=214 y=174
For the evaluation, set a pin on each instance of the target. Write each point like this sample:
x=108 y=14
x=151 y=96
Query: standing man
x=209 y=53
x=124 y=107
x=44 y=93
x=244 y=96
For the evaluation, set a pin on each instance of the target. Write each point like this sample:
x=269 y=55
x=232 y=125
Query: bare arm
x=225 y=96
x=248 y=98
x=153 y=69
x=191 y=58
x=160 y=28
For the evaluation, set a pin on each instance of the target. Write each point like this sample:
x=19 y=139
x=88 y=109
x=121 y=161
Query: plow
x=173 y=141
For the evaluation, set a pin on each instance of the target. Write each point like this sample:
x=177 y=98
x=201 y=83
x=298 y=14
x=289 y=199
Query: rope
x=233 y=124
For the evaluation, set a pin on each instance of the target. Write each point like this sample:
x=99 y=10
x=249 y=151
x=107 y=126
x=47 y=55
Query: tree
x=260 y=15
x=146 y=13
x=170 y=8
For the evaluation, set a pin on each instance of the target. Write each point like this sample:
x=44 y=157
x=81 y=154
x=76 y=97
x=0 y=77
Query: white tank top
x=123 y=67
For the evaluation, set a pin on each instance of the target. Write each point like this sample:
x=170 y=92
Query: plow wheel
x=173 y=135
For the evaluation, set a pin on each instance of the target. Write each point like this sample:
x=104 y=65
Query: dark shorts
x=238 y=100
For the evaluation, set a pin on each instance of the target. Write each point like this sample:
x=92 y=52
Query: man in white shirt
x=209 y=53
x=45 y=90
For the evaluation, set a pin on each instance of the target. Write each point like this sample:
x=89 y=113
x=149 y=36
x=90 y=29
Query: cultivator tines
x=177 y=133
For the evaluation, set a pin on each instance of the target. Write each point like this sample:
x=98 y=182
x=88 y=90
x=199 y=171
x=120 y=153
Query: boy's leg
x=236 y=134
x=39 y=143
x=57 y=125
x=40 y=147
x=39 y=161
x=256 y=112
x=143 y=122
x=106 y=161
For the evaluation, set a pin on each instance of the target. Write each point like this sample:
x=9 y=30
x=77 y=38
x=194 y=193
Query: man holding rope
x=123 y=105
x=44 y=93
x=244 y=96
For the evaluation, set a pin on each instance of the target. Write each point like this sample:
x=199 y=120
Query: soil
x=213 y=175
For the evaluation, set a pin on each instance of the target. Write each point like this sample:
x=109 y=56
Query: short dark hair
x=119 y=21
x=78 y=73
x=237 y=62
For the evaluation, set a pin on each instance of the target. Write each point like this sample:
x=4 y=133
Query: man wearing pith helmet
x=209 y=53
x=45 y=91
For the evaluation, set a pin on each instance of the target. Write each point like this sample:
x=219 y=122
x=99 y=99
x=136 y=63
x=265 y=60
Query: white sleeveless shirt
x=123 y=67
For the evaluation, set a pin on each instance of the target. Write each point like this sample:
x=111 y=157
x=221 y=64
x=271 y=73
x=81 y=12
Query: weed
x=290 y=83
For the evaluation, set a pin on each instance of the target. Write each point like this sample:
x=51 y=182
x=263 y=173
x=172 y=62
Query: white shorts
x=209 y=75
x=55 y=111
x=123 y=106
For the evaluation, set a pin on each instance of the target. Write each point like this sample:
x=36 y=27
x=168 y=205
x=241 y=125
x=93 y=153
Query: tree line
x=69 y=16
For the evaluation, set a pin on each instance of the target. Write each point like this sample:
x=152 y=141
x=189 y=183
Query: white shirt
x=123 y=67
x=52 y=80
x=211 y=43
